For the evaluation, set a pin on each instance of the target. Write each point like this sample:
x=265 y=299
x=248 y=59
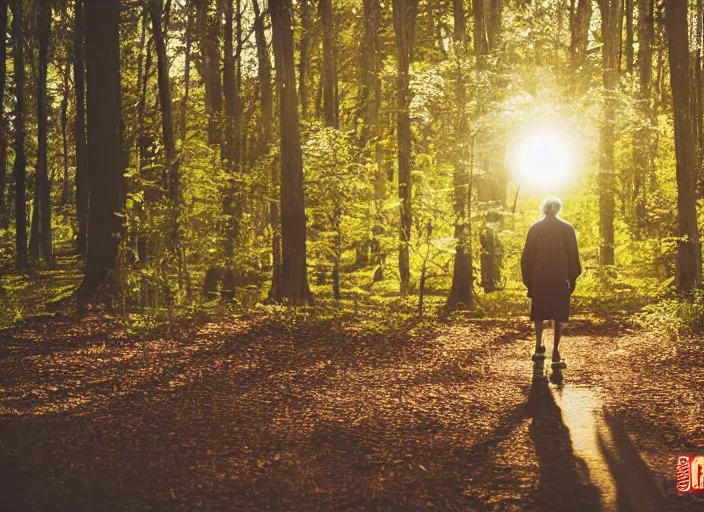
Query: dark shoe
x=539 y=354
x=557 y=362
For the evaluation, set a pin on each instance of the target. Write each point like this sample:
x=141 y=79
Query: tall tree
x=80 y=129
x=3 y=124
x=42 y=177
x=630 y=56
x=19 y=168
x=172 y=178
x=462 y=279
x=186 y=69
x=404 y=14
x=481 y=43
x=643 y=147
x=66 y=189
x=493 y=23
x=106 y=161
x=689 y=260
x=208 y=34
x=304 y=55
x=293 y=279
x=267 y=113
x=579 y=32
x=696 y=95
x=329 y=73
x=232 y=99
x=611 y=15
x=371 y=63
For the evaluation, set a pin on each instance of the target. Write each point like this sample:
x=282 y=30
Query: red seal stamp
x=690 y=473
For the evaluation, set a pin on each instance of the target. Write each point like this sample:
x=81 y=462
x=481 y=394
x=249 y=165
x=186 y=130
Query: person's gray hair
x=550 y=204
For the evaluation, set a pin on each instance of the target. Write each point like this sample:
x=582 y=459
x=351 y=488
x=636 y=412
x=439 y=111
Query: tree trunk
x=209 y=32
x=172 y=178
x=3 y=123
x=293 y=282
x=689 y=251
x=264 y=75
x=106 y=160
x=267 y=110
x=80 y=128
x=42 y=177
x=462 y=279
x=144 y=155
x=328 y=67
x=696 y=100
x=66 y=190
x=304 y=56
x=579 y=30
x=230 y=88
x=481 y=44
x=404 y=13
x=187 y=69
x=611 y=21
x=643 y=147
x=493 y=25
x=371 y=63
x=629 y=37
x=20 y=158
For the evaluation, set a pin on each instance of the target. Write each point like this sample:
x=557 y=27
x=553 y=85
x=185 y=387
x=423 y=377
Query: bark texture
x=404 y=14
x=293 y=279
x=106 y=161
x=689 y=262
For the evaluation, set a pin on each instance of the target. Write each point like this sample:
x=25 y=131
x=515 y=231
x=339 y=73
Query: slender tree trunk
x=404 y=14
x=145 y=156
x=611 y=17
x=293 y=283
x=172 y=177
x=42 y=179
x=696 y=99
x=106 y=159
x=66 y=191
x=481 y=44
x=629 y=37
x=689 y=261
x=371 y=63
x=493 y=25
x=209 y=32
x=230 y=88
x=328 y=68
x=579 y=31
x=187 y=69
x=80 y=128
x=267 y=111
x=20 y=158
x=304 y=55
x=3 y=122
x=462 y=279
x=643 y=147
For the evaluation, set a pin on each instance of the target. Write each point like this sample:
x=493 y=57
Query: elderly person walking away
x=550 y=267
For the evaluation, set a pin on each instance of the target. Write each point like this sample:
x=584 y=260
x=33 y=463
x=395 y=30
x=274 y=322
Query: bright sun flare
x=544 y=159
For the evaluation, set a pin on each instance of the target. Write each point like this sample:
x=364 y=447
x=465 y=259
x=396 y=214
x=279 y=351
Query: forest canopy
x=175 y=153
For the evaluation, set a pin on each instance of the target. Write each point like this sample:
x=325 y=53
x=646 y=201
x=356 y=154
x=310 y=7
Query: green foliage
x=675 y=316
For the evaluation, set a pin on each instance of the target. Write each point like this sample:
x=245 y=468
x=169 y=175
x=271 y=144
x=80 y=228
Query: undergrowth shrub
x=675 y=316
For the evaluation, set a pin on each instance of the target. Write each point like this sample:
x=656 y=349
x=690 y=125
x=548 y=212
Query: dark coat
x=550 y=267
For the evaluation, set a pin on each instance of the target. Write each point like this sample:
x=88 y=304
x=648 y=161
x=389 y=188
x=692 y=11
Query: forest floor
x=249 y=414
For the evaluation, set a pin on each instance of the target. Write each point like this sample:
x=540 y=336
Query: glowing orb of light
x=544 y=158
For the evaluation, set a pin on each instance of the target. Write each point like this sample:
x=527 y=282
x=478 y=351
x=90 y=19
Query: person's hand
x=530 y=294
x=572 y=285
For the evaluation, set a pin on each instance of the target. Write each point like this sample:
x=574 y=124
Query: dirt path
x=247 y=416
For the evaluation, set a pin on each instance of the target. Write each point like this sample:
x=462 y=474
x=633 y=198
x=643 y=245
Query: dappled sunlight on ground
x=244 y=415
